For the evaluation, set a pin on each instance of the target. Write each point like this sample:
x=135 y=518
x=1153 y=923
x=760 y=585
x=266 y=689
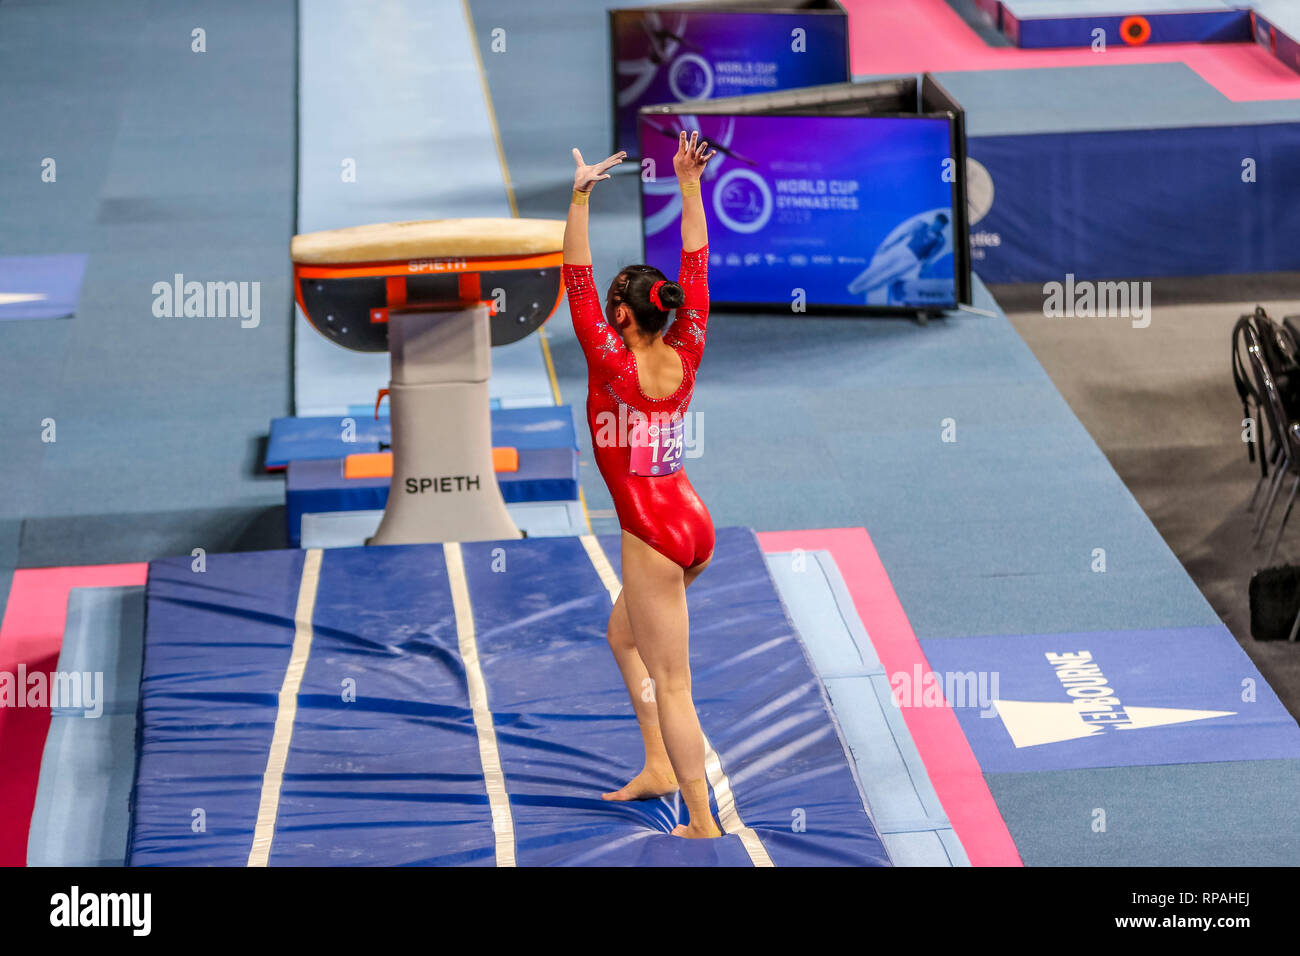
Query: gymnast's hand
x=691 y=158
x=587 y=176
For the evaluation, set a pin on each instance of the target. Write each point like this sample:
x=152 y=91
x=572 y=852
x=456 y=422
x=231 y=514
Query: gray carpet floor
x=168 y=161
x=1160 y=403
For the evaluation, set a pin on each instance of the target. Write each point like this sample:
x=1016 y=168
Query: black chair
x=1252 y=405
x=1291 y=324
x=1283 y=427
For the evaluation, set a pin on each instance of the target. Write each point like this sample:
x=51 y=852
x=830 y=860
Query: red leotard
x=663 y=511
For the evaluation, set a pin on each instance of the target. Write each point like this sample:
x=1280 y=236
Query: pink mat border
x=953 y=769
x=32 y=634
x=920 y=36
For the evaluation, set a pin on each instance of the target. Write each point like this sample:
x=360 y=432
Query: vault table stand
x=444 y=485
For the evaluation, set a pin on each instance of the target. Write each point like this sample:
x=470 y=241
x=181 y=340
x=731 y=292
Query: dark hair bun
x=671 y=295
x=632 y=286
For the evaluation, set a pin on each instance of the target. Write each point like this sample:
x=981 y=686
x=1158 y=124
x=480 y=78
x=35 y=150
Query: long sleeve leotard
x=662 y=510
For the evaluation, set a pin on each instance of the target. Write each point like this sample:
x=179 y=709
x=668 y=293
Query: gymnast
x=667 y=532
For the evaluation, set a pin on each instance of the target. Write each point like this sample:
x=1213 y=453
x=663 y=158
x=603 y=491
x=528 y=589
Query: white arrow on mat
x=1032 y=722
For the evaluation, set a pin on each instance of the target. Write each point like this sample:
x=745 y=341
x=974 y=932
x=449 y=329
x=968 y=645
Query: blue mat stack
x=313 y=451
x=384 y=765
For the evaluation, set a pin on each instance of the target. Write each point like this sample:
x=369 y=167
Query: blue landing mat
x=384 y=766
x=216 y=646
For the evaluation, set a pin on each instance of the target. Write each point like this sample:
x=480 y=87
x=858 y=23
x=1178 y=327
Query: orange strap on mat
x=505 y=459
x=377 y=464
x=380 y=464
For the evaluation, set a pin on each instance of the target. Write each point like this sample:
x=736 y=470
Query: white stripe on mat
x=494 y=777
x=728 y=815
x=600 y=561
x=287 y=710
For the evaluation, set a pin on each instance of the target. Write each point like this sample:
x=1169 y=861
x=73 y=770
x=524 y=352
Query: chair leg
x=1272 y=480
x=1259 y=483
x=1282 y=527
x=1263 y=477
x=1264 y=512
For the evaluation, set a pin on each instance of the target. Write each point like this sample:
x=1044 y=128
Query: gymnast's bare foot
x=650 y=782
x=692 y=832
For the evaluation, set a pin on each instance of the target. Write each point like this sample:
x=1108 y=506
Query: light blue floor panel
x=81 y=814
x=393 y=88
x=897 y=788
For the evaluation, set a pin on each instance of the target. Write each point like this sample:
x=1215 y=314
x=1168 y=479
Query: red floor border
x=31 y=634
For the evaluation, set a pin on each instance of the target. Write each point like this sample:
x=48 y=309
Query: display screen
x=833 y=211
x=670 y=56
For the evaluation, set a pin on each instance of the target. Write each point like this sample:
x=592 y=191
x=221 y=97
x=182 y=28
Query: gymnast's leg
x=654 y=592
x=656 y=777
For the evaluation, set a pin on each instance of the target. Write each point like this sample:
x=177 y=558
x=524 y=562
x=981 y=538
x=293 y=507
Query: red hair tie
x=654 y=295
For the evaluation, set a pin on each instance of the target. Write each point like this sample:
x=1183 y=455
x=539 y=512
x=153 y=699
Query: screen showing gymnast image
x=675 y=56
x=838 y=211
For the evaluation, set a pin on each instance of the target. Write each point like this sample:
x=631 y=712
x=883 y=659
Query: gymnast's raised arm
x=690 y=329
x=688 y=164
x=602 y=347
x=577 y=251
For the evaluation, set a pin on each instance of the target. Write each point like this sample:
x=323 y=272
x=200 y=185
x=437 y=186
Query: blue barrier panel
x=1070 y=23
x=1127 y=203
